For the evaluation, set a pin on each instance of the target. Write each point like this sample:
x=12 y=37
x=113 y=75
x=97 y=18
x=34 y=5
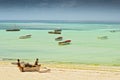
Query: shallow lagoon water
x=85 y=47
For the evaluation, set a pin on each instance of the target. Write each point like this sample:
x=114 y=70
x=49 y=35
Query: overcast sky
x=83 y=10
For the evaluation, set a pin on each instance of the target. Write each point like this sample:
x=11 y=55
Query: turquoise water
x=63 y=25
x=85 y=47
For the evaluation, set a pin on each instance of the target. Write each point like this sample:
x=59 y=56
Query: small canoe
x=66 y=42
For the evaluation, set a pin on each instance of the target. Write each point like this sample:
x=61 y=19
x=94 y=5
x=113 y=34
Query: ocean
x=85 y=48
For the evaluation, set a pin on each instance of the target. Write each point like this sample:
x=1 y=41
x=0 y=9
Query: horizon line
x=78 y=21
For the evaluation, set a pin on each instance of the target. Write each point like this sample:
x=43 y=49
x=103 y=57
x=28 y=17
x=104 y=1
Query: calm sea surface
x=85 y=47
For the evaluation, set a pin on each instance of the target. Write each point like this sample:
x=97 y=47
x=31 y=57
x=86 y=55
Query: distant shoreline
x=60 y=21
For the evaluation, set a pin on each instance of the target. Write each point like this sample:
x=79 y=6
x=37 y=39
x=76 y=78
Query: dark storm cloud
x=58 y=3
x=84 y=10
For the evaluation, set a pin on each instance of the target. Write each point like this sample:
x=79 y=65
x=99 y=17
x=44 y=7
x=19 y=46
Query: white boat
x=25 y=37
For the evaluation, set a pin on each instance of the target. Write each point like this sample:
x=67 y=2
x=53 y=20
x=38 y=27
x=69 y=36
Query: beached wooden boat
x=25 y=37
x=66 y=42
x=28 y=67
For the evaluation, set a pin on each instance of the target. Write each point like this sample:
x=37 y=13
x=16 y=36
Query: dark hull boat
x=57 y=31
x=66 y=42
x=13 y=30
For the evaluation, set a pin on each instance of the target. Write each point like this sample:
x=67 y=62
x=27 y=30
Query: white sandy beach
x=11 y=72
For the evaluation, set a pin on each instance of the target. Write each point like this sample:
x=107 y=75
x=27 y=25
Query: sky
x=80 y=10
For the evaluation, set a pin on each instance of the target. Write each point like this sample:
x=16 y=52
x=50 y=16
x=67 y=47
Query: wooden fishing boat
x=58 y=39
x=56 y=31
x=66 y=42
x=12 y=29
